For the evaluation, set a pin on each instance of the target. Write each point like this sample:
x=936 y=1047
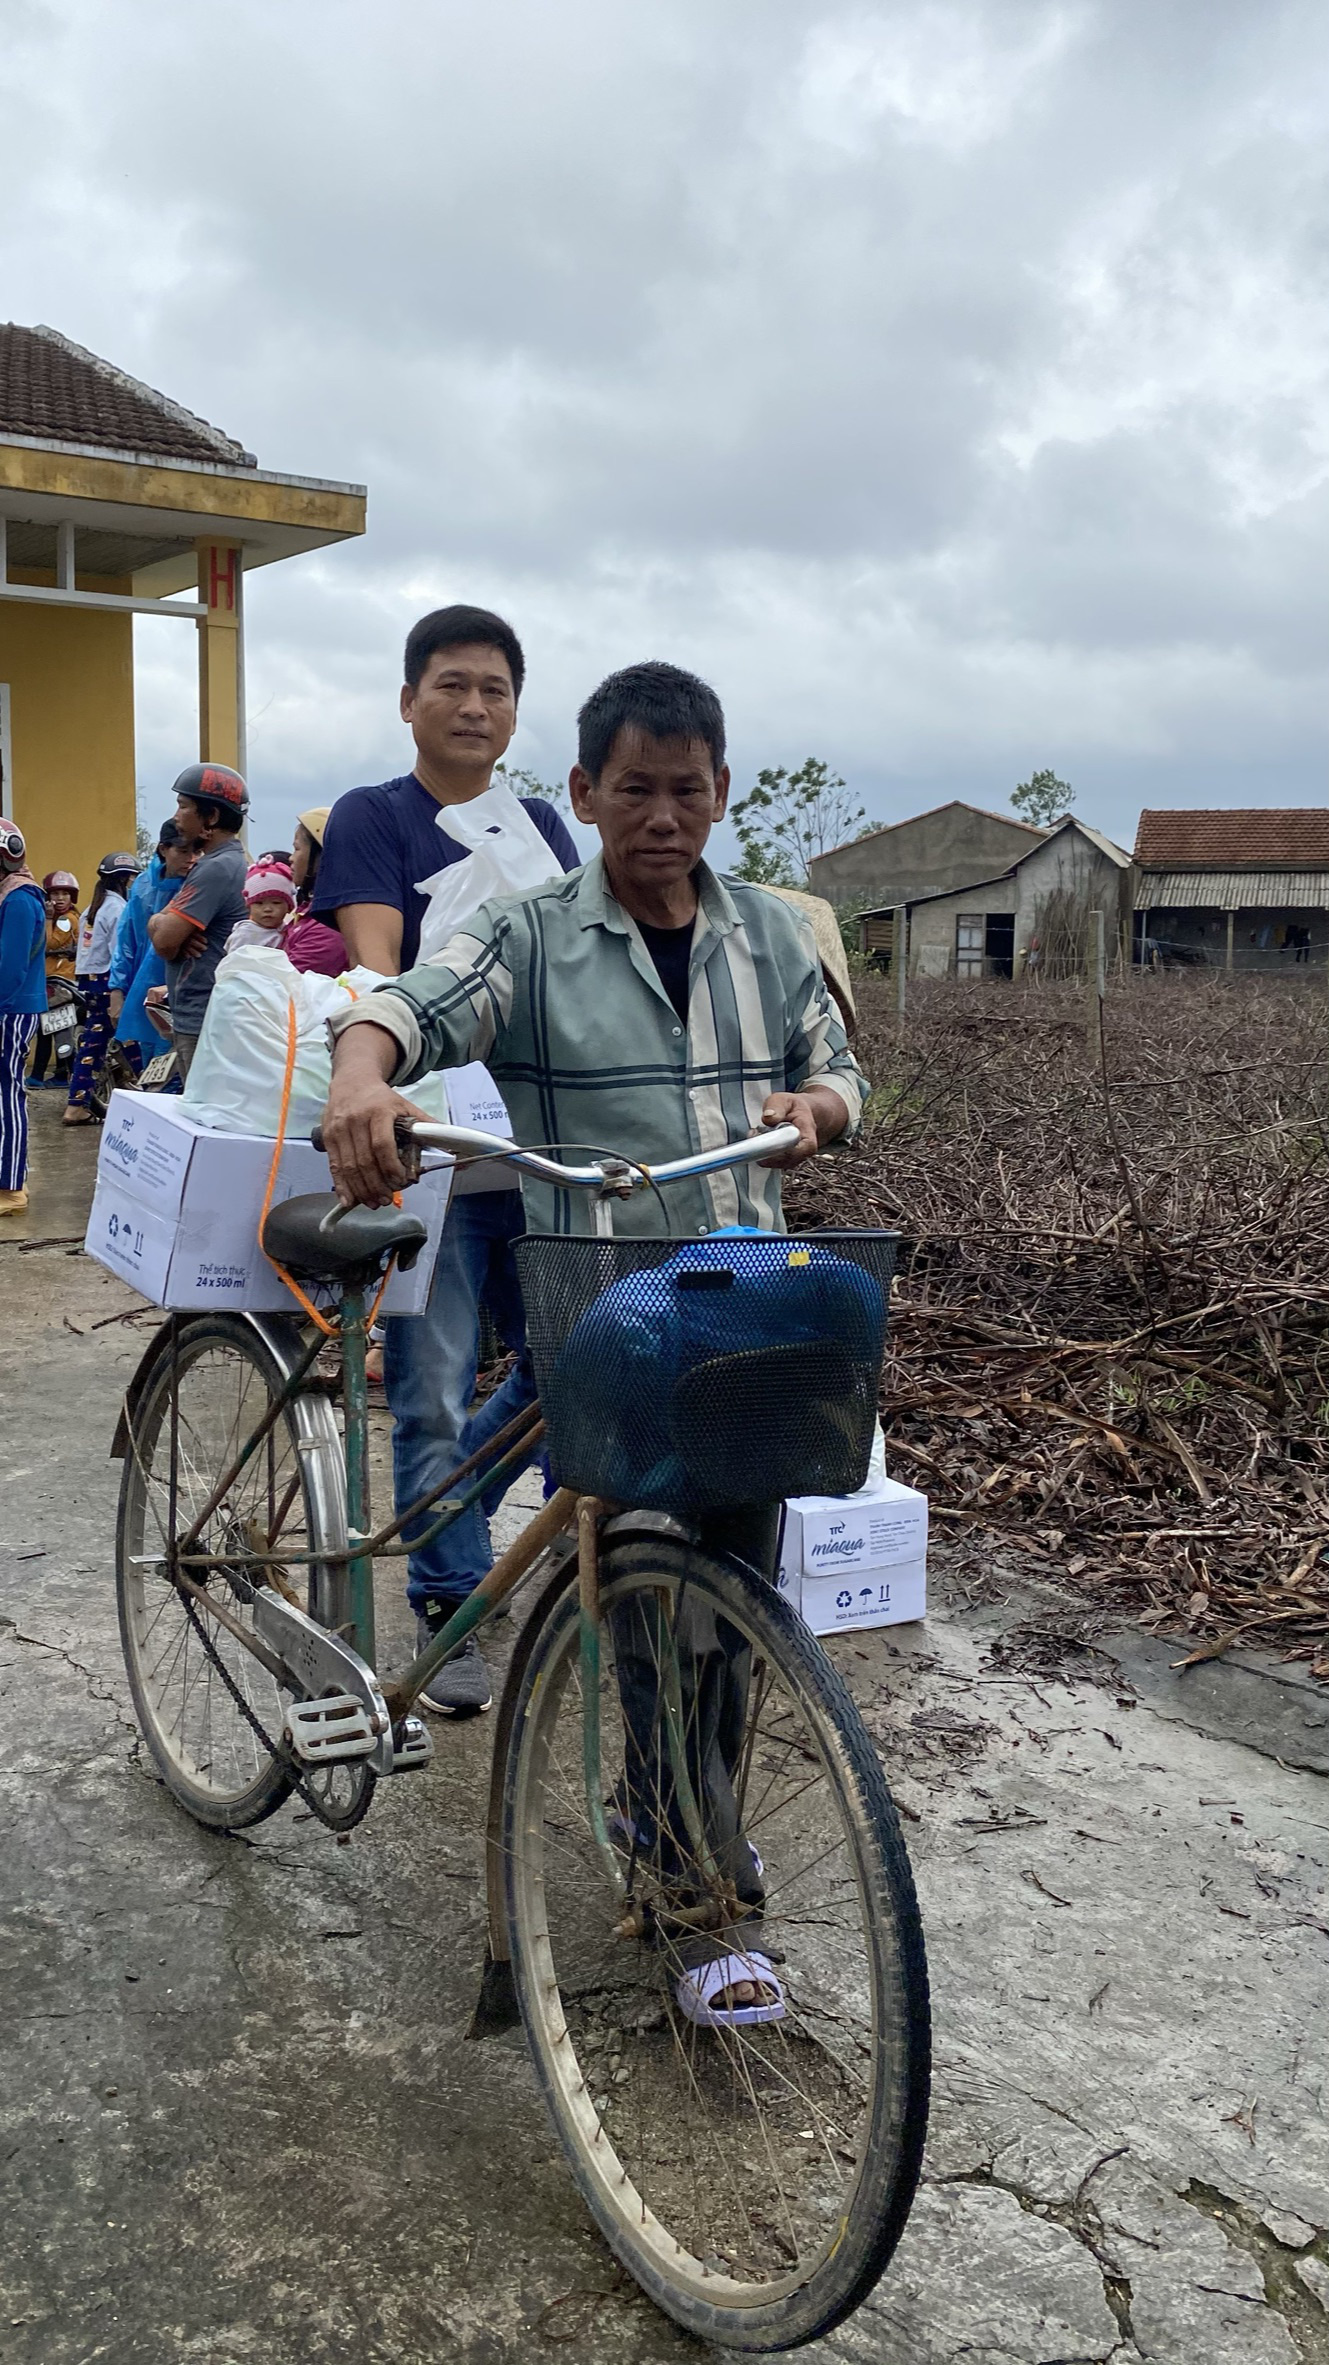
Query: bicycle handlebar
x=462 y=1141
x=624 y=1173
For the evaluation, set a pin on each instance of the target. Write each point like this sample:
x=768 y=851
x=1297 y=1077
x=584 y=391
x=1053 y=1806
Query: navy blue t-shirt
x=379 y=841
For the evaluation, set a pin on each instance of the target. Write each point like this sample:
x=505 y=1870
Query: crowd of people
x=118 y=992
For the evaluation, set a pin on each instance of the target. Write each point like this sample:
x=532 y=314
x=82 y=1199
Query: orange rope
x=329 y=1329
x=318 y=1318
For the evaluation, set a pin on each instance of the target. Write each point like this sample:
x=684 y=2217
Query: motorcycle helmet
x=60 y=878
x=119 y=866
x=13 y=845
x=213 y=784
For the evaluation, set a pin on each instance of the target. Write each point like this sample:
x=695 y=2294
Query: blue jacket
x=22 y=952
x=134 y=964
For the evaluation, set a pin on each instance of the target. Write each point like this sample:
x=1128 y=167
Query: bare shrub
x=1111 y=1332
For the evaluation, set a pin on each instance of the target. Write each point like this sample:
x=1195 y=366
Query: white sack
x=236 y=1075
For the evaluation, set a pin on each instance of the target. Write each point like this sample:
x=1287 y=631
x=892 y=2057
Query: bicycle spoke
x=195 y=1689
x=743 y=2141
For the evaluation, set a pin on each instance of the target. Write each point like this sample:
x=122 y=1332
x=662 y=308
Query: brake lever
x=408 y=1150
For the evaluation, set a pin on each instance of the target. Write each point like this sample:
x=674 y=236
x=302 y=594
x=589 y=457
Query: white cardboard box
x=870 y=1597
x=856 y=1560
x=475 y=1100
x=176 y=1210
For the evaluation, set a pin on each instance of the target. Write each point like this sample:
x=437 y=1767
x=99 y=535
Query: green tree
x=791 y=817
x=1043 y=799
x=526 y=784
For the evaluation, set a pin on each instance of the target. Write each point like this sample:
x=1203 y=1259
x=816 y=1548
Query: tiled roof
x=57 y=392
x=1238 y=839
x=1232 y=891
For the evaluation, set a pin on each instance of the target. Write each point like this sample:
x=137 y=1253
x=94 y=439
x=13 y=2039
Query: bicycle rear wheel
x=191 y=1695
x=754 y=2179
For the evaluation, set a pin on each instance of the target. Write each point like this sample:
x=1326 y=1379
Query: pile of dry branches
x=1111 y=1330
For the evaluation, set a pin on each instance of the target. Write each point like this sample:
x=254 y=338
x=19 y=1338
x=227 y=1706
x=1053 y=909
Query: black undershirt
x=671 y=951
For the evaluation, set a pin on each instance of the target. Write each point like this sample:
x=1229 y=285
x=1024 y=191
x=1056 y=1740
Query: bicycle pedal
x=411 y=1746
x=336 y=1726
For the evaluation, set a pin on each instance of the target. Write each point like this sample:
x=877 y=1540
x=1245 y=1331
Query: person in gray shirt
x=190 y=931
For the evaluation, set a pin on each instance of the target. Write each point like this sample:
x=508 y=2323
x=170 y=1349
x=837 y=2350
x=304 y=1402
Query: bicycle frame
x=503 y=1455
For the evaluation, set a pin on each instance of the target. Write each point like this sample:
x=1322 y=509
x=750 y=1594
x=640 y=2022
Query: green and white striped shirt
x=555 y=991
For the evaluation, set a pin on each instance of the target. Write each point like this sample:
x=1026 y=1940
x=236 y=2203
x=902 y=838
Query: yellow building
x=112 y=500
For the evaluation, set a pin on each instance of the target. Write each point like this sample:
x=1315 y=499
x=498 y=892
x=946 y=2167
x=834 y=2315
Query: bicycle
x=680 y=1776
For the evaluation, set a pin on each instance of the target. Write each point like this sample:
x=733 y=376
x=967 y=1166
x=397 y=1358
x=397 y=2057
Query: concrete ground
x=238 y=2117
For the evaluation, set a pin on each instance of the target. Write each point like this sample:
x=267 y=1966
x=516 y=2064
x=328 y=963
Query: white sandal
x=694 y=1990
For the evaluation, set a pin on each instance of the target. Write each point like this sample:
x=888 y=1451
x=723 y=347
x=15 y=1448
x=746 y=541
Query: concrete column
x=900 y=960
x=221 y=732
x=1231 y=928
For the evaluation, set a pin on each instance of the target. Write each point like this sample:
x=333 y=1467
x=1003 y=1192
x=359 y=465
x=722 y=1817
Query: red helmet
x=13 y=845
x=59 y=878
x=213 y=784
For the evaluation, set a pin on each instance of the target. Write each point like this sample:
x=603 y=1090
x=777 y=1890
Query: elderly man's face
x=654 y=804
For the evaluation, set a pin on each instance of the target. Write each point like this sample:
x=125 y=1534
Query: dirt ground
x=239 y=2118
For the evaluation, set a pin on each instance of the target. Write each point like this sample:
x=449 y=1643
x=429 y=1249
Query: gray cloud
x=946 y=379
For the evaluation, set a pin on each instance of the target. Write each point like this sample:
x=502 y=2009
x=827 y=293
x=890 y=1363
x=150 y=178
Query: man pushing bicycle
x=638 y=1000
x=699 y=1901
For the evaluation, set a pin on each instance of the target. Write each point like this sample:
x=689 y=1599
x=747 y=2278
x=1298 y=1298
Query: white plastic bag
x=506 y=853
x=237 y=1073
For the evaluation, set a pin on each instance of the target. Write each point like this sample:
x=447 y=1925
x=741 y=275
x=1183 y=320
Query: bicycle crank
x=338 y=1712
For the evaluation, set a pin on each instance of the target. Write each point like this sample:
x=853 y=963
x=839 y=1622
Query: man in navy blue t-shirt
x=464 y=671
x=459 y=700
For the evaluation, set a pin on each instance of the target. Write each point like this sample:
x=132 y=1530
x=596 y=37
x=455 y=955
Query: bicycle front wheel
x=753 y=2176
x=202 y=1698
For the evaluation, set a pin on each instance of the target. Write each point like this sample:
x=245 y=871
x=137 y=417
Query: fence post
x=900 y=961
x=1097 y=980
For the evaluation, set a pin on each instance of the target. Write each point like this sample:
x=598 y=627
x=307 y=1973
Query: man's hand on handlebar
x=359 y=1120
x=819 y=1115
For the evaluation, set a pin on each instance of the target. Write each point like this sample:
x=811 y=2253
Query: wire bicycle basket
x=703 y=1375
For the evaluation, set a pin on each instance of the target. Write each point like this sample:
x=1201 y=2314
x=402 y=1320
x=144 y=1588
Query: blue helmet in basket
x=737 y=1370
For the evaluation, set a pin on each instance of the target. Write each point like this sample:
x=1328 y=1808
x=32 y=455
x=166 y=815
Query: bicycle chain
x=277 y=1750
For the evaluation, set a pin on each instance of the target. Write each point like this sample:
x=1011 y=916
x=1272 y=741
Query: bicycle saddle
x=356 y=1250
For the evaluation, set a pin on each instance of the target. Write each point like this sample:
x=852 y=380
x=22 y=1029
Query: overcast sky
x=945 y=380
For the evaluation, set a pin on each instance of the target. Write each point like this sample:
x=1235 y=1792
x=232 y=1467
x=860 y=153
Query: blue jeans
x=429 y=1376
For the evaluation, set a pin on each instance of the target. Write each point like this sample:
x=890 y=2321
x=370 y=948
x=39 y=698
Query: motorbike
x=61 y=1019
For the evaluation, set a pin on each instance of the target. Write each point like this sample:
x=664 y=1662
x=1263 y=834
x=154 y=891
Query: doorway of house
x=999 y=944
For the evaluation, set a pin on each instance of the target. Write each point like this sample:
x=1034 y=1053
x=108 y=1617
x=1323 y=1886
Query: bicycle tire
x=564 y=2011
x=219 y=1770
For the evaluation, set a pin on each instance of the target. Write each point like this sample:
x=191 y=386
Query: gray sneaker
x=461 y=1686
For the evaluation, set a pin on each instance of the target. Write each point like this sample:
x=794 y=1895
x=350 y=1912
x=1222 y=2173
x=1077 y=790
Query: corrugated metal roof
x=952 y=805
x=1072 y=821
x=1232 y=890
x=1105 y=845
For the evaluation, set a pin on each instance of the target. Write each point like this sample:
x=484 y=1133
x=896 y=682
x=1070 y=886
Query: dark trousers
x=16 y=1032
x=42 y=1057
x=714 y=1666
x=94 y=1036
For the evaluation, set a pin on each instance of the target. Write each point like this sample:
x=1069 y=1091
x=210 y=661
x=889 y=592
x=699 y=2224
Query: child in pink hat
x=270 y=895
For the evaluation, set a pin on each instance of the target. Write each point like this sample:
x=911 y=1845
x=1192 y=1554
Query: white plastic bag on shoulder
x=505 y=854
